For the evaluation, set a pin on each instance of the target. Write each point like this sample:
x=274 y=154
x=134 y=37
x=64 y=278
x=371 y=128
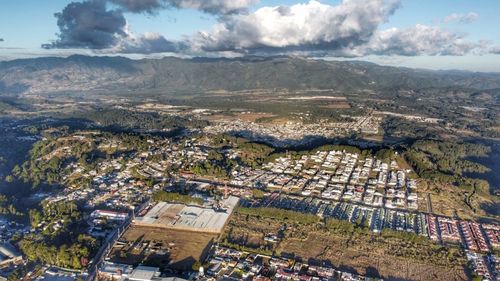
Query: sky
x=444 y=34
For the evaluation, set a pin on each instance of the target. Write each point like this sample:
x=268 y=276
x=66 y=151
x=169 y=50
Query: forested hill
x=118 y=74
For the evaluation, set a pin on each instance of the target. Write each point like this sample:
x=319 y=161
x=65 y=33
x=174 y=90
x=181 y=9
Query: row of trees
x=279 y=214
x=175 y=197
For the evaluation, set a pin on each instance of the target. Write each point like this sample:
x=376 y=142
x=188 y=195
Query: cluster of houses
x=474 y=236
x=230 y=264
x=8 y=229
x=486 y=267
x=334 y=183
x=336 y=175
x=478 y=239
x=294 y=132
x=120 y=183
x=376 y=218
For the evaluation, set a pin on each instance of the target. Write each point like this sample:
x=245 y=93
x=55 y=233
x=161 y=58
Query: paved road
x=110 y=241
x=429 y=203
x=104 y=250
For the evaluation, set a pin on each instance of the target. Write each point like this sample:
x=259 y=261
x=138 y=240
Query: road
x=104 y=250
x=110 y=241
x=429 y=203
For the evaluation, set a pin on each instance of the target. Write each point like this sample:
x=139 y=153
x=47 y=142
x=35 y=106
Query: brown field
x=254 y=116
x=336 y=105
x=249 y=117
x=367 y=253
x=366 y=259
x=220 y=117
x=162 y=247
x=448 y=200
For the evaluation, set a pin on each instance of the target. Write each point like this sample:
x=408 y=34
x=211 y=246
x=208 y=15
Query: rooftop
x=189 y=217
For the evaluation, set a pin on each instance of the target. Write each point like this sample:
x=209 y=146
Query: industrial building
x=189 y=217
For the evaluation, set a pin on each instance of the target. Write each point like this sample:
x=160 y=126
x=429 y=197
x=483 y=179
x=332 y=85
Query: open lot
x=370 y=259
x=165 y=248
x=354 y=250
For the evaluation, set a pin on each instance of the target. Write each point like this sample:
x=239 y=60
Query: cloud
x=207 y=6
x=495 y=50
x=302 y=25
x=214 y=6
x=148 y=43
x=414 y=41
x=90 y=25
x=349 y=29
x=140 y=6
x=461 y=18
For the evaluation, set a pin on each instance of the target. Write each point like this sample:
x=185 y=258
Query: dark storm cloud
x=91 y=25
x=140 y=6
x=214 y=6
x=88 y=25
x=207 y=6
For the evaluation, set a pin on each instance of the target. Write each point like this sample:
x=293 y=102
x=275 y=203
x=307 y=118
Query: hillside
x=118 y=74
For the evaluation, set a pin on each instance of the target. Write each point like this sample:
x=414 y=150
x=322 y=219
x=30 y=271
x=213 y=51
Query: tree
x=257 y=193
x=196 y=266
x=9 y=178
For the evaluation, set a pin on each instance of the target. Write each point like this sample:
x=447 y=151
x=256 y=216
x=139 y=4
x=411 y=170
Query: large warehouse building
x=188 y=217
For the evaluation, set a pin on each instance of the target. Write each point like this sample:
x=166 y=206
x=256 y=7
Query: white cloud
x=461 y=18
x=414 y=41
x=350 y=29
x=313 y=23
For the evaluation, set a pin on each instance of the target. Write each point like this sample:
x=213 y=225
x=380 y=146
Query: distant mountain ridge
x=117 y=74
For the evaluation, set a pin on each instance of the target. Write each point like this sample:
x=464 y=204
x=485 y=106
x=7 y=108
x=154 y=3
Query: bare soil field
x=449 y=201
x=362 y=252
x=251 y=117
x=366 y=259
x=336 y=105
x=162 y=247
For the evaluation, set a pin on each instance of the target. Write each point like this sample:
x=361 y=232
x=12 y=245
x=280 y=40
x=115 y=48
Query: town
x=161 y=205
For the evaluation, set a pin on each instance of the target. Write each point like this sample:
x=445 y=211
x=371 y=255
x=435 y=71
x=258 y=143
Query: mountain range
x=169 y=75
